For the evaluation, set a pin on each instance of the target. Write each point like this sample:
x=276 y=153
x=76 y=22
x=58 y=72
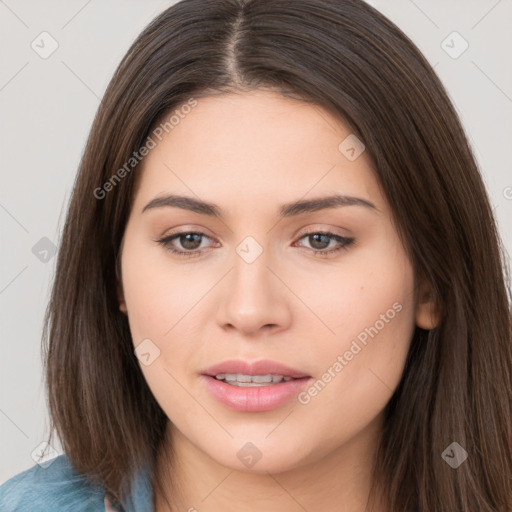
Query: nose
x=254 y=298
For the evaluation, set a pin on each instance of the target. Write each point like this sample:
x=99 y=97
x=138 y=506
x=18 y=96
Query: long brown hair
x=345 y=56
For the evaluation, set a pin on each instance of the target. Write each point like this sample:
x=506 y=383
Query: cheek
x=359 y=369
x=367 y=303
x=157 y=295
x=164 y=320
x=369 y=295
x=361 y=363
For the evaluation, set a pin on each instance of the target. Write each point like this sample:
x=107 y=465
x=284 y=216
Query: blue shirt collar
x=140 y=498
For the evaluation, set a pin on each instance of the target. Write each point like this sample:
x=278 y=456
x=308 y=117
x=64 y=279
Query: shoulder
x=56 y=487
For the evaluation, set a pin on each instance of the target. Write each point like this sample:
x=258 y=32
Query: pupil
x=315 y=239
x=191 y=244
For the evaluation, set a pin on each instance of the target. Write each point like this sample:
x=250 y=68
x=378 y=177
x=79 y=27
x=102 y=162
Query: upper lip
x=262 y=367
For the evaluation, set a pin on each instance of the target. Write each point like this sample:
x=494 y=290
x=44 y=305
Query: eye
x=320 y=240
x=190 y=241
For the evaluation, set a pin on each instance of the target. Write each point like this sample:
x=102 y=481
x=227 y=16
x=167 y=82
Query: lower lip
x=254 y=399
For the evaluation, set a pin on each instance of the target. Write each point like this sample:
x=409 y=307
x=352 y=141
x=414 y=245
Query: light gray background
x=47 y=107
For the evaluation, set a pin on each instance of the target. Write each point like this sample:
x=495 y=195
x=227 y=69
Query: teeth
x=263 y=378
x=239 y=379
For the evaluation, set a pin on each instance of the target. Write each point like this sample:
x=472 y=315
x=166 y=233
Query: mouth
x=254 y=386
x=263 y=370
x=251 y=381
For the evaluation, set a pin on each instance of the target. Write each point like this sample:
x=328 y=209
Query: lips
x=262 y=367
x=263 y=397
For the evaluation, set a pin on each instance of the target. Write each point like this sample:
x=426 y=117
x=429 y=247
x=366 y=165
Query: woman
x=280 y=284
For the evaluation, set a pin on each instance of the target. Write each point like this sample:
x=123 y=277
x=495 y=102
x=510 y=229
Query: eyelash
x=344 y=241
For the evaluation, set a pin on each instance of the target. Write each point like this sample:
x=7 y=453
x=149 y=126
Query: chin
x=260 y=457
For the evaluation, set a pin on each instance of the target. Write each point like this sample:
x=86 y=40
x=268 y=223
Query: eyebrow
x=286 y=210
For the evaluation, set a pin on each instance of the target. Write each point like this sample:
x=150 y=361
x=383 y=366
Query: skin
x=249 y=153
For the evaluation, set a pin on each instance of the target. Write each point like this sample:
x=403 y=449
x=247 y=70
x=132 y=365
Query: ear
x=120 y=298
x=120 y=293
x=427 y=314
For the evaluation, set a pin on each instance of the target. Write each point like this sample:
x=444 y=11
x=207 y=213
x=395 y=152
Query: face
x=319 y=296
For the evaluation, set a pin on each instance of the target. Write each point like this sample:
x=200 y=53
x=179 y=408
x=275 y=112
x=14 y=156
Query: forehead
x=255 y=144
